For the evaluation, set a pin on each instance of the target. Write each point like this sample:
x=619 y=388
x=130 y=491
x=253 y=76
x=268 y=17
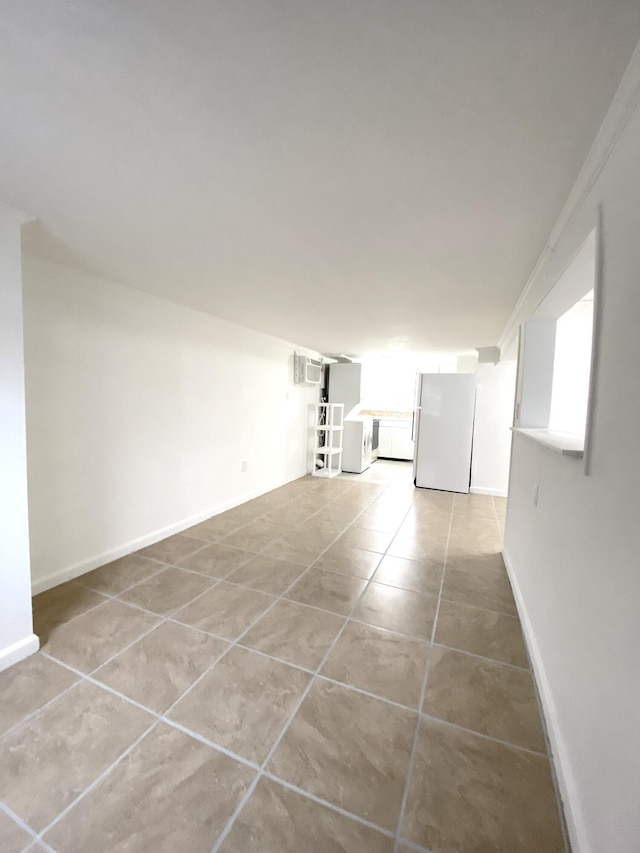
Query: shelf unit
x=329 y=427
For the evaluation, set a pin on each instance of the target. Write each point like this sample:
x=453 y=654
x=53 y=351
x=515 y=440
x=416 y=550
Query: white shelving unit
x=329 y=427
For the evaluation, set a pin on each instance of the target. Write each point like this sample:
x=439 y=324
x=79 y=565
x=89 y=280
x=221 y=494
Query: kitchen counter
x=379 y=413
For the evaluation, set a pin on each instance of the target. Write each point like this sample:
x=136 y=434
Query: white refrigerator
x=443 y=430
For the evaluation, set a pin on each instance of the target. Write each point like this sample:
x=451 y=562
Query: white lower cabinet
x=394 y=442
x=384 y=441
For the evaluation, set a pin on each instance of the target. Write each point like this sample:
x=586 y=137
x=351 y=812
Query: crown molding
x=624 y=103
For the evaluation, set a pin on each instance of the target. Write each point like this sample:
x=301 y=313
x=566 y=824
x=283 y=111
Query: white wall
x=575 y=558
x=495 y=392
x=388 y=382
x=139 y=415
x=16 y=630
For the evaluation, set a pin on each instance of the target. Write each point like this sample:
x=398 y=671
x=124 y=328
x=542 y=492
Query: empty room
x=319 y=418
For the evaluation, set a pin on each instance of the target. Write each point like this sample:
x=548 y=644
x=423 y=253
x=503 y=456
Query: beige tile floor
x=334 y=667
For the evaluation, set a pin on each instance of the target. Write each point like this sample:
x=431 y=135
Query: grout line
x=161 y=568
x=97 y=780
x=363 y=692
x=111 y=597
x=315 y=676
x=488 y=609
x=327 y=804
x=237 y=641
x=483 y=657
x=288 y=722
x=32 y=714
x=91 y=680
x=423 y=690
x=460 y=728
x=315 y=673
x=17 y=819
x=41 y=845
x=210 y=743
x=160 y=621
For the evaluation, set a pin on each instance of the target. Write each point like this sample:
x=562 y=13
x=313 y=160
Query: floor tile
x=61 y=604
x=292 y=515
x=295 y=633
x=256 y=535
x=410 y=574
x=226 y=610
x=167 y=591
x=414 y=548
x=477 y=563
x=345 y=560
x=241 y=514
x=349 y=749
x=267 y=574
x=489 y=698
x=172 y=549
x=279 y=820
x=94 y=637
x=489 y=590
x=382 y=662
x=119 y=575
x=297 y=548
x=214 y=529
x=50 y=759
x=13 y=838
x=471 y=546
x=369 y=540
x=242 y=703
x=482 y=632
x=29 y=685
x=475 y=506
x=171 y=793
x=380 y=522
x=216 y=560
x=430 y=499
x=474 y=535
x=327 y=590
x=321 y=544
x=432 y=526
x=157 y=669
x=398 y=610
x=468 y=793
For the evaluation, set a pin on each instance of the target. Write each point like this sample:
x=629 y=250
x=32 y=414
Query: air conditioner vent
x=306 y=370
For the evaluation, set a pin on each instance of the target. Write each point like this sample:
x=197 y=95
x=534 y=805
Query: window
x=572 y=368
x=555 y=358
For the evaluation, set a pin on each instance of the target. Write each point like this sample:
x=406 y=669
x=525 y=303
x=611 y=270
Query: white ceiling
x=347 y=175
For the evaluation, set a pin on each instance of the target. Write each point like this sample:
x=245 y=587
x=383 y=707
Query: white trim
x=559 y=756
x=68 y=573
x=562 y=443
x=622 y=106
x=18 y=651
x=481 y=490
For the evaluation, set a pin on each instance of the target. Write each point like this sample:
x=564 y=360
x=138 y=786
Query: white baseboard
x=18 y=651
x=68 y=573
x=480 y=490
x=566 y=784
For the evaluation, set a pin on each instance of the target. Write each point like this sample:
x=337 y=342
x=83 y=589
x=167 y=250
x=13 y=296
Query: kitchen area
x=451 y=419
x=369 y=433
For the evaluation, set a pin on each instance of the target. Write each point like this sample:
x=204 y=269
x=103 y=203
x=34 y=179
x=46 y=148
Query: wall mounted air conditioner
x=306 y=370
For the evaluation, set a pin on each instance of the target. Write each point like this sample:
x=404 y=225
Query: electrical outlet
x=535 y=495
x=245 y=467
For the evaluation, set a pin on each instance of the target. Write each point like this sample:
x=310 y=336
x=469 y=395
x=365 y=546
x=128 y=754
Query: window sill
x=564 y=443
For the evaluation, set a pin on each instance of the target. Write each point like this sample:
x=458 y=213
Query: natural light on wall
x=572 y=367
